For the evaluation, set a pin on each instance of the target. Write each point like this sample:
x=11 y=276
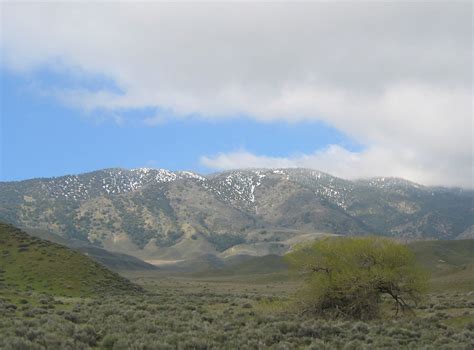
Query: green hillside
x=31 y=264
x=451 y=263
x=259 y=265
x=438 y=256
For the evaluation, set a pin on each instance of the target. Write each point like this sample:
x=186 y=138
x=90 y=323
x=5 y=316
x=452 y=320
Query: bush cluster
x=184 y=319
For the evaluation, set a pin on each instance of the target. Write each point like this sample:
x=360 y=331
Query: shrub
x=348 y=276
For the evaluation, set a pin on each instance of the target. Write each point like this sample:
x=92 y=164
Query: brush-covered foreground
x=55 y=298
x=185 y=313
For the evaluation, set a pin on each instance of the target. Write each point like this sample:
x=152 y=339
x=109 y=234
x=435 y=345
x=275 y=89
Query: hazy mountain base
x=112 y=260
x=161 y=215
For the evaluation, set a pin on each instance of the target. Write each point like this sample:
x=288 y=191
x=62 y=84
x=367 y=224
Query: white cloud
x=340 y=162
x=395 y=76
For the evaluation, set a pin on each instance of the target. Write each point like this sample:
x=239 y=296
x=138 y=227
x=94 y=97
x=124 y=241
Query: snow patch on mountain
x=111 y=182
x=238 y=188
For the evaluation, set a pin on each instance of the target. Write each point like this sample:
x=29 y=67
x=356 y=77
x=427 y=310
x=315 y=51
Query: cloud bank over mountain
x=395 y=77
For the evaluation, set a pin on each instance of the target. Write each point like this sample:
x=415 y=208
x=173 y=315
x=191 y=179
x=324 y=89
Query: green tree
x=349 y=277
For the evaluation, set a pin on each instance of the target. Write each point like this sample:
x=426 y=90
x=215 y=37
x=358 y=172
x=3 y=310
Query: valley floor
x=215 y=311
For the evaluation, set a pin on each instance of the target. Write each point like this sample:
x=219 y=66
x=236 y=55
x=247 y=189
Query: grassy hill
x=451 y=263
x=31 y=264
x=258 y=265
x=438 y=256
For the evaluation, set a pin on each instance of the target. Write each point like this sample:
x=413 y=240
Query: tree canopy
x=349 y=276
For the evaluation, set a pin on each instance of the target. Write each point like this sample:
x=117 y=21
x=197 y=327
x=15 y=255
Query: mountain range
x=160 y=215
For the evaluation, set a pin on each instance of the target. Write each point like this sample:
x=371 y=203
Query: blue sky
x=354 y=89
x=41 y=137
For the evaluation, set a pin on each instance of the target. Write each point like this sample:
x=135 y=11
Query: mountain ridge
x=146 y=211
x=229 y=171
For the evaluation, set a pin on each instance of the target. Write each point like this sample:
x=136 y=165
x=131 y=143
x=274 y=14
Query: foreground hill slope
x=144 y=212
x=31 y=264
x=439 y=255
x=450 y=262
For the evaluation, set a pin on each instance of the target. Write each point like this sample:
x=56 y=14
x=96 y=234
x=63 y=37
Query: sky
x=356 y=89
